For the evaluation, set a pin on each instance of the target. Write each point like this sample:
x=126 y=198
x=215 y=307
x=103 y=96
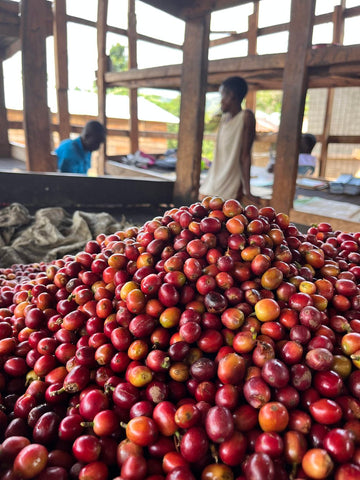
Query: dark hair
x=236 y=85
x=94 y=128
x=307 y=142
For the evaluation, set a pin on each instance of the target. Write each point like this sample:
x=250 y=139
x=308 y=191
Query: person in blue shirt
x=74 y=155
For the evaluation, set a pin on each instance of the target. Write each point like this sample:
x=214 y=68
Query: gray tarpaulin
x=48 y=234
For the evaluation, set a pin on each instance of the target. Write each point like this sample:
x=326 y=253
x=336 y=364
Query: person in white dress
x=229 y=173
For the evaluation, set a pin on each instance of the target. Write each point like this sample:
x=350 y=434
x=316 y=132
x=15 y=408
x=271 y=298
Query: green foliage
x=119 y=91
x=119 y=61
x=269 y=101
x=171 y=105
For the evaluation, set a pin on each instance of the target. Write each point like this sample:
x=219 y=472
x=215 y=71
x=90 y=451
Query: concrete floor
x=12 y=165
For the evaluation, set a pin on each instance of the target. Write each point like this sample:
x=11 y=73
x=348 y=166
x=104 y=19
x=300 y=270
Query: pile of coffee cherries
x=215 y=342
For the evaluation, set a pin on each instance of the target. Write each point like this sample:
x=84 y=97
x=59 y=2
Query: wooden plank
x=124 y=32
x=170 y=74
x=134 y=124
x=334 y=77
x=281 y=27
x=187 y=9
x=173 y=8
x=252 y=50
x=292 y=111
x=36 y=113
x=326 y=131
x=192 y=109
x=352 y=12
x=338 y=21
x=4 y=138
x=344 y=75
x=309 y=219
x=11 y=49
x=7 y=6
x=338 y=36
x=78 y=191
x=333 y=55
x=9 y=29
x=61 y=68
x=344 y=139
x=100 y=79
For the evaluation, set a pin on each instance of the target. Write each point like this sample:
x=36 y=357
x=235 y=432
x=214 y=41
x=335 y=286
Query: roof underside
x=9 y=26
x=192 y=8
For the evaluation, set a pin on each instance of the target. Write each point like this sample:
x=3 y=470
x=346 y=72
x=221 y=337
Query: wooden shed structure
x=27 y=24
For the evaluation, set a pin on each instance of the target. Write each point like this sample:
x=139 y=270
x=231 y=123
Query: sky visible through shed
x=82 y=45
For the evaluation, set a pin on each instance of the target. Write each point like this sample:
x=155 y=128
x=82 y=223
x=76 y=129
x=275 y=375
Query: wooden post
x=292 y=111
x=252 y=50
x=61 y=68
x=134 y=124
x=4 y=137
x=36 y=114
x=102 y=67
x=338 y=36
x=192 y=109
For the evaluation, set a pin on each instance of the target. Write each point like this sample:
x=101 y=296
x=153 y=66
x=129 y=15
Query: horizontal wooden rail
x=123 y=32
x=260 y=136
x=281 y=27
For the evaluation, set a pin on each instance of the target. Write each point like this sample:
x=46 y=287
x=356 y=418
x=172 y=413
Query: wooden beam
x=223 y=66
x=61 y=68
x=334 y=77
x=333 y=55
x=157 y=41
x=221 y=4
x=329 y=67
x=252 y=50
x=306 y=218
x=36 y=113
x=9 y=29
x=173 y=8
x=187 y=9
x=35 y=190
x=344 y=139
x=292 y=111
x=351 y=12
x=326 y=131
x=11 y=49
x=281 y=27
x=192 y=110
x=7 y=6
x=102 y=67
x=338 y=36
x=4 y=138
x=134 y=124
x=124 y=32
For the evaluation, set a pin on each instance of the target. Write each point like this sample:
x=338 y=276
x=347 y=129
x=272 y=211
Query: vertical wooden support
x=36 y=113
x=292 y=111
x=192 y=109
x=338 y=36
x=326 y=131
x=252 y=50
x=134 y=124
x=4 y=137
x=61 y=67
x=102 y=66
